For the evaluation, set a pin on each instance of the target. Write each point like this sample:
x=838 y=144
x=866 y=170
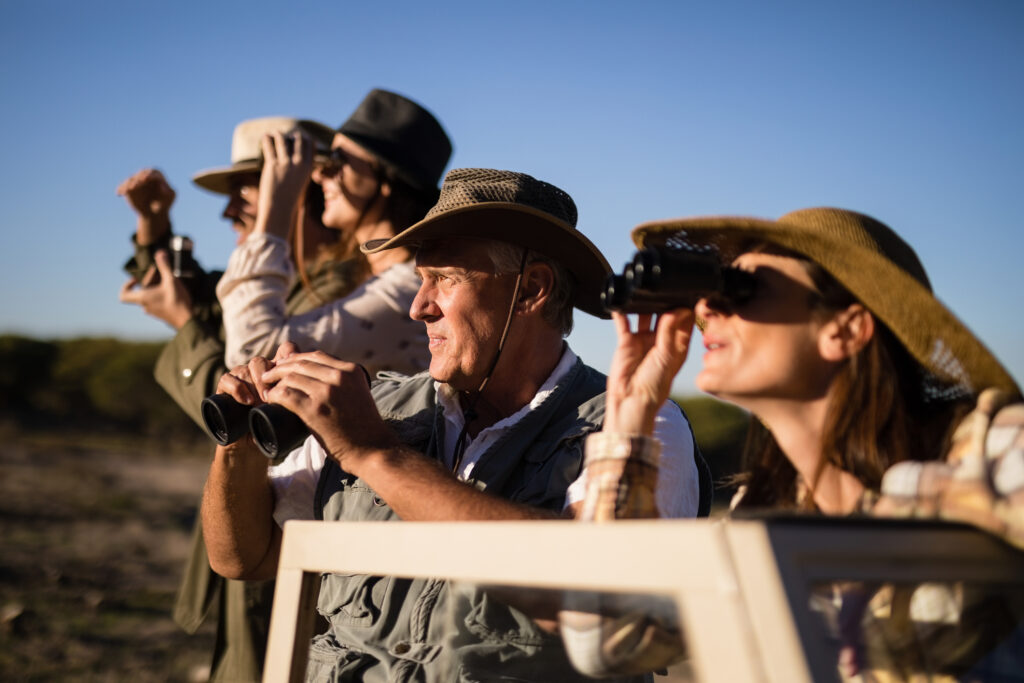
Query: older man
x=493 y=431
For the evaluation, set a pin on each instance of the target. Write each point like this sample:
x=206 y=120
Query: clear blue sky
x=908 y=110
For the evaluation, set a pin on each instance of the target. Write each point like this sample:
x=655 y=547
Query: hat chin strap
x=469 y=414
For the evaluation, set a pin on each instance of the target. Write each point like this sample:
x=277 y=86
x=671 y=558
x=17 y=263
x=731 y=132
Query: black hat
x=406 y=138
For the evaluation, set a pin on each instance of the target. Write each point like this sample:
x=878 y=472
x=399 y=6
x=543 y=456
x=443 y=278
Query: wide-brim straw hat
x=247 y=149
x=506 y=206
x=404 y=136
x=875 y=265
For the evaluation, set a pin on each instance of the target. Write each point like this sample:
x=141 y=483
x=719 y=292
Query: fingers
x=269 y=151
x=163 y=264
x=143 y=177
x=621 y=321
x=128 y=293
x=257 y=369
x=304 y=371
x=305 y=150
x=284 y=351
x=673 y=333
x=237 y=384
x=150 y=278
x=280 y=146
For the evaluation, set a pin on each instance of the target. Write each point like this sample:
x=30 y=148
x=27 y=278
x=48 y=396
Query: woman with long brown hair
x=845 y=359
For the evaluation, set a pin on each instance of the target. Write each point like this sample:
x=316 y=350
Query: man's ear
x=536 y=287
x=846 y=333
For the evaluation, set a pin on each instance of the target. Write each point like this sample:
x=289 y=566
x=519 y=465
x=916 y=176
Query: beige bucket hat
x=875 y=265
x=246 y=148
x=483 y=203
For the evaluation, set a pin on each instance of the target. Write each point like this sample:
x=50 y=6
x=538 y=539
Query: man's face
x=464 y=306
x=241 y=208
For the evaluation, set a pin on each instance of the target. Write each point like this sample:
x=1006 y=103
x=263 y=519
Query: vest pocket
x=352 y=599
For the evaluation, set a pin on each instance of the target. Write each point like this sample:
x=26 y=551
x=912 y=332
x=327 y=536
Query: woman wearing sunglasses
x=839 y=349
x=380 y=176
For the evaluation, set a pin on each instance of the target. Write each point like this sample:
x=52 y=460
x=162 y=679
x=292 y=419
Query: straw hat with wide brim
x=247 y=150
x=506 y=206
x=875 y=265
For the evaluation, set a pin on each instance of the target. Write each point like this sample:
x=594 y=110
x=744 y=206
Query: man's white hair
x=506 y=257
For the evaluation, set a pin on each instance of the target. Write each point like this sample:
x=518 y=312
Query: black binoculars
x=275 y=429
x=663 y=279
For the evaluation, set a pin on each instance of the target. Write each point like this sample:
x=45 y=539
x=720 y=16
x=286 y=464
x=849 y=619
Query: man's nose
x=231 y=210
x=423 y=307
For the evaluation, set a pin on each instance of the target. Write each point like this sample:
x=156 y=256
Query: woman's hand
x=287 y=167
x=645 y=363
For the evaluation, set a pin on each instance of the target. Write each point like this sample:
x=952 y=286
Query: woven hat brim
x=219 y=179
x=523 y=226
x=932 y=334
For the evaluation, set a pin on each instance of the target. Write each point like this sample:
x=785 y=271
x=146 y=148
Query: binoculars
x=275 y=429
x=663 y=279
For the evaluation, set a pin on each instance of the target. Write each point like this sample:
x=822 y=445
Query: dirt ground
x=93 y=537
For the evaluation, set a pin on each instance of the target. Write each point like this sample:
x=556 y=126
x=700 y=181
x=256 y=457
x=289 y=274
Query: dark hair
x=878 y=414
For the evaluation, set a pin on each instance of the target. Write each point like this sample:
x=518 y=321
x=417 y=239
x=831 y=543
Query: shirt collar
x=452 y=410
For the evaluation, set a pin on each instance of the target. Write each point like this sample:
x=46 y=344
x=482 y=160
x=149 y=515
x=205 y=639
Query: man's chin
x=456 y=380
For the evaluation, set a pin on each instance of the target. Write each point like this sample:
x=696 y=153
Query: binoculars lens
x=225 y=418
x=275 y=429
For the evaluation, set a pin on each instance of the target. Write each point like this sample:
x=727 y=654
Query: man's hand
x=333 y=398
x=287 y=167
x=643 y=367
x=150 y=195
x=160 y=294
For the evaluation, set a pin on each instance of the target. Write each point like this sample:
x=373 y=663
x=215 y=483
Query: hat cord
x=469 y=414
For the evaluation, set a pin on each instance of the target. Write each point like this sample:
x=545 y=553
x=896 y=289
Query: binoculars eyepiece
x=275 y=429
x=661 y=279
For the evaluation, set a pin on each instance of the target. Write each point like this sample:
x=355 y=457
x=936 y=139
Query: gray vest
x=392 y=629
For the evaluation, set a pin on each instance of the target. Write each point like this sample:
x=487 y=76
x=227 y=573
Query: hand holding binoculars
x=663 y=279
x=275 y=429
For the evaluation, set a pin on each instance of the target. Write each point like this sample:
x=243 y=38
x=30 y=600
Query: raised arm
x=370 y=326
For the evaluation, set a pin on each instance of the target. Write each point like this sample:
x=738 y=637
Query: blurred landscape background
x=906 y=111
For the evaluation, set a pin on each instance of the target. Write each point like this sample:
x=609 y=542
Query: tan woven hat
x=506 y=206
x=247 y=152
x=876 y=266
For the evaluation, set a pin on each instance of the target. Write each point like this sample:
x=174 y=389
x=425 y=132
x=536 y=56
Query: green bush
x=100 y=384
x=720 y=429
x=25 y=366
